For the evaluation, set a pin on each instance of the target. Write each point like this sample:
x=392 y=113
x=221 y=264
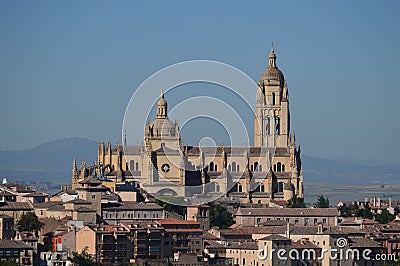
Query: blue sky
x=69 y=68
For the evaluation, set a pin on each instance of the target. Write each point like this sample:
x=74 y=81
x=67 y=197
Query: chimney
x=379 y=202
x=320 y=228
x=287 y=230
x=374 y=202
x=390 y=202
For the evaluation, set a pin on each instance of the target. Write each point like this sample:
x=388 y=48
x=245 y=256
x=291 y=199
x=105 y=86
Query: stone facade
x=163 y=165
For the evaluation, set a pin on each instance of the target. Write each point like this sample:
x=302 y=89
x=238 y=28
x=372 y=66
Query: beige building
x=163 y=165
x=294 y=216
x=109 y=244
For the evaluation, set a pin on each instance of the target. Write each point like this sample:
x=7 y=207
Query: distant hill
x=347 y=172
x=53 y=161
x=50 y=160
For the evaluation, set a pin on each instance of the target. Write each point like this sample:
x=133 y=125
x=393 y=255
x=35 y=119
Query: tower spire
x=272 y=58
x=162 y=106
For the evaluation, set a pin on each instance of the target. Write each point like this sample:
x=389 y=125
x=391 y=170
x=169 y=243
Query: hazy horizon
x=70 y=68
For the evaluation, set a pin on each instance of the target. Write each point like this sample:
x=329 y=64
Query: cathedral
x=163 y=165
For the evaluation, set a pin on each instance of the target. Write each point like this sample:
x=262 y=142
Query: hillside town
x=94 y=225
x=121 y=211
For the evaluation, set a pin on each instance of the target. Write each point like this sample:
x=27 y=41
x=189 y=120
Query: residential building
x=182 y=236
x=127 y=211
x=16 y=251
x=294 y=216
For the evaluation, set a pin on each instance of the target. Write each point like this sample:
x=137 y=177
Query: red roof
x=175 y=221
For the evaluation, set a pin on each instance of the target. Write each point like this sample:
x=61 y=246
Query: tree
x=344 y=211
x=296 y=202
x=322 y=202
x=365 y=212
x=29 y=222
x=220 y=217
x=172 y=204
x=384 y=217
x=84 y=258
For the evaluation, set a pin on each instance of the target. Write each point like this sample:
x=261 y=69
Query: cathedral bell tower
x=272 y=121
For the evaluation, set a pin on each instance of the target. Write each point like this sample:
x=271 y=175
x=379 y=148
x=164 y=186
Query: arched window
x=132 y=165
x=215 y=168
x=273 y=98
x=216 y=188
x=277 y=126
x=238 y=168
x=262 y=188
x=256 y=167
x=279 y=167
x=229 y=167
x=274 y=167
x=283 y=168
x=233 y=166
x=260 y=168
x=240 y=188
x=267 y=125
x=137 y=166
x=211 y=166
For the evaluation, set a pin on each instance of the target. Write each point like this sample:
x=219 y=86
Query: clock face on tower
x=165 y=168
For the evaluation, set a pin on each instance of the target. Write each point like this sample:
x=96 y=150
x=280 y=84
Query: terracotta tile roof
x=36 y=194
x=304 y=244
x=79 y=201
x=213 y=244
x=90 y=180
x=274 y=223
x=131 y=205
x=209 y=236
x=244 y=245
x=175 y=221
x=46 y=205
x=18 y=187
x=332 y=212
x=16 y=206
x=275 y=238
x=250 y=230
x=13 y=244
x=184 y=230
x=363 y=243
x=84 y=209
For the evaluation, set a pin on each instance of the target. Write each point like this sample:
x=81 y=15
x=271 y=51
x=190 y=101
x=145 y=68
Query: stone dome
x=162 y=101
x=272 y=74
x=162 y=128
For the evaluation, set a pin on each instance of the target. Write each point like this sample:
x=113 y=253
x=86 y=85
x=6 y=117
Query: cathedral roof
x=90 y=180
x=163 y=127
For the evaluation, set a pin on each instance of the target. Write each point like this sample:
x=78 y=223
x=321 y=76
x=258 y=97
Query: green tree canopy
x=29 y=222
x=365 y=212
x=322 y=202
x=296 y=202
x=172 y=204
x=220 y=217
x=84 y=258
x=384 y=217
